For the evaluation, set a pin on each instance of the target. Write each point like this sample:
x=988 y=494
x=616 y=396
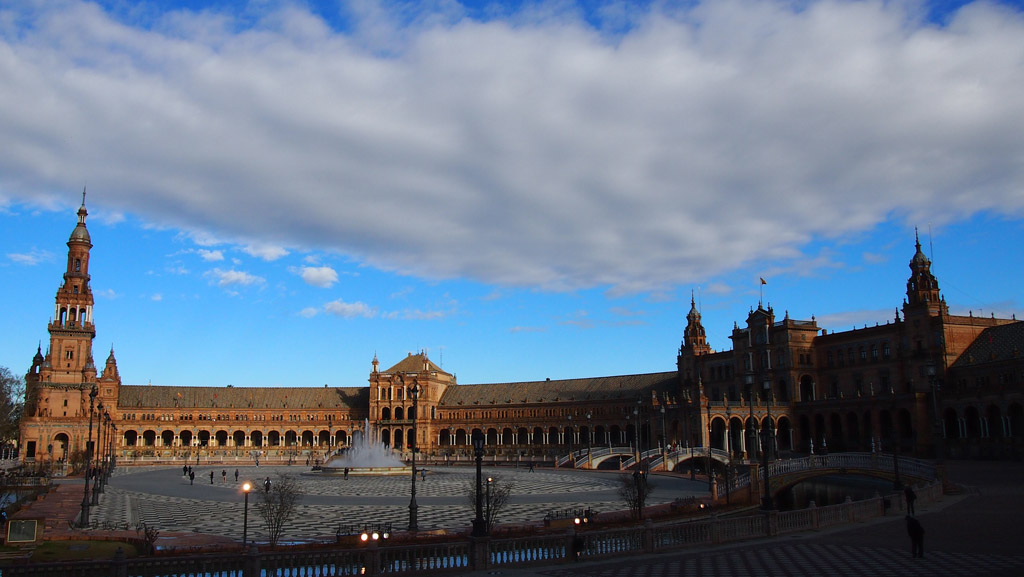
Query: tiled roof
x=147 y=396
x=625 y=387
x=414 y=364
x=994 y=344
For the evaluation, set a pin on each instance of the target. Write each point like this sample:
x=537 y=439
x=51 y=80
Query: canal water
x=831 y=490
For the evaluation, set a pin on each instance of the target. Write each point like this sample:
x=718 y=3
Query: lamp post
x=487 y=519
x=664 y=440
x=590 y=438
x=97 y=455
x=938 y=428
x=710 y=474
x=413 y=507
x=479 y=526
x=751 y=433
x=246 y=487
x=572 y=433
x=84 y=521
x=767 y=504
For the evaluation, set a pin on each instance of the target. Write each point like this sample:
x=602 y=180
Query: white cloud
x=309 y=312
x=538 y=151
x=322 y=276
x=31 y=258
x=350 y=310
x=210 y=255
x=157 y=297
x=266 y=252
x=224 y=278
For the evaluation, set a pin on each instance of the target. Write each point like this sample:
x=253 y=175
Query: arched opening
x=807 y=388
x=238 y=438
x=149 y=438
x=994 y=420
x=385 y=437
x=274 y=438
x=399 y=414
x=221 y=438
x=399 y=440
x=385 y=414
x=167 y=438
x=324 y=438
x=60 y=447
x=256 y=438
x=204 y=438
x=131 y=438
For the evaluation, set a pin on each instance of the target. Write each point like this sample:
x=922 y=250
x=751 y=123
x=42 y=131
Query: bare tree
x=12 y=402
x=496 y=492
x=634 y=490
x=277 y=506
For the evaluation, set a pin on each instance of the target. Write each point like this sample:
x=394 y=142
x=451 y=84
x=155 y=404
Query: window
x=69 y=355
x=885 y=350
x=874 y=352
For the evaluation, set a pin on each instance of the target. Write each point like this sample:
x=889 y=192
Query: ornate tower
x=72 y=329
x=693 y=336
x=57 y=403
x=922 y=286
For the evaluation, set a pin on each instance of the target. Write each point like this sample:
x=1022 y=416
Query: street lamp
x=710 y=474
x=488 y=518
x=413 y=507
x=572 y=433
x=767 y=504
x=246 y=487
x=479 y=526
x=751 y=438
x=84 y=521
x=590 y=438
x=938 y=427
x=664 y=439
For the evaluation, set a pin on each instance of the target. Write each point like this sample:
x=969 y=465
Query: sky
x=279 y=191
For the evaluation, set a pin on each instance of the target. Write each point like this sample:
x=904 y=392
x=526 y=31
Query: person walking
x=911 y=496
x=223 y=475
x=191 y=477
x=916 y=532
x=236 y=475
x=184 y=470
x=211 y=477
x=266 y=485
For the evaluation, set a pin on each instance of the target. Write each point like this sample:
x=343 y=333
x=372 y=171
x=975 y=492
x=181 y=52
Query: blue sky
x=280 y=190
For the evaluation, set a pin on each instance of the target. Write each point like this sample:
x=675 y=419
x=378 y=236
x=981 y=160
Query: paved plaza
x=162 y=497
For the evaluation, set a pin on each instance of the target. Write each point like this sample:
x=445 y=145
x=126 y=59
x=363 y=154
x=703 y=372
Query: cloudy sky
x=280 y=190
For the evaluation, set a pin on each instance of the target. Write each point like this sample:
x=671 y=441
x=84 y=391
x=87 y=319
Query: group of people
x=187 y=471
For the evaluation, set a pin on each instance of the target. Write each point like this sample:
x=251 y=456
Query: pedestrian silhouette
x=266 y=485
x=211 y=477
x=916 y=532
x=236 y=475
x=191 y=477
x=911 y=496
x=346 y=473
x=224 y=475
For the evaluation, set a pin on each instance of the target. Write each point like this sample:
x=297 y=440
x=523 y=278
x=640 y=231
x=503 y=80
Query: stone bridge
x=653 y=459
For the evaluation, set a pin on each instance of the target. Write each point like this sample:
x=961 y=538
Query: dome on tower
x=81 y=234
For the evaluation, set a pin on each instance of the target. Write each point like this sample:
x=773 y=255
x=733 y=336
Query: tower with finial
x=57 y=386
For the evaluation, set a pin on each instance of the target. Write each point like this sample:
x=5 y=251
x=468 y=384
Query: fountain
x=366 y=456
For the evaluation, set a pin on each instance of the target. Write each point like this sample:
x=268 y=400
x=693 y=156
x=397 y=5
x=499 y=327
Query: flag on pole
x=763 y=281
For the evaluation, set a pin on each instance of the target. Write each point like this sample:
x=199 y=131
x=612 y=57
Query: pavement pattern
x=161 y=497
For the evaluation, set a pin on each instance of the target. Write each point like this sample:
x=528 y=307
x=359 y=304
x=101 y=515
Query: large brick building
x=874 y=388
